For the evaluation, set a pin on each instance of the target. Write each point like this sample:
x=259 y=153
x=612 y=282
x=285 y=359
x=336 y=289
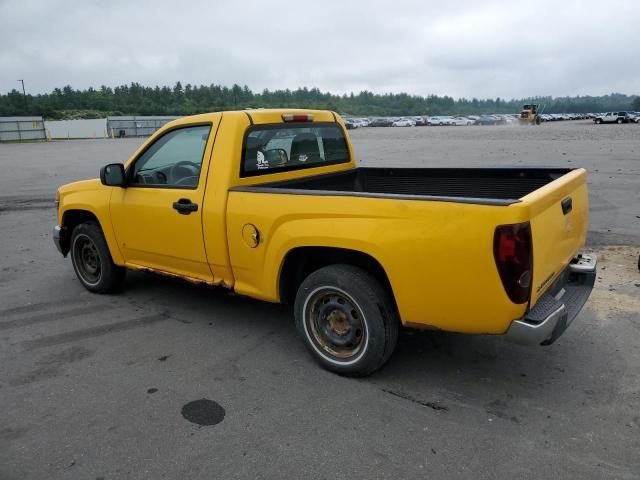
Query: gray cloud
x=464 y=48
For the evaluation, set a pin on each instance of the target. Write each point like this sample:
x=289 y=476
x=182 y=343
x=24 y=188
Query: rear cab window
x=282 y=147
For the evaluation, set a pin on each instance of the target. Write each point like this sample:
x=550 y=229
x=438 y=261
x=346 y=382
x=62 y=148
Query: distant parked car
x=380 y=122
x=440 y=120
x=612 y=117
x=403 y=122
x=461 y=121
x=505 y=119
x=350 y=124
x=419 y=121
x=488 y=120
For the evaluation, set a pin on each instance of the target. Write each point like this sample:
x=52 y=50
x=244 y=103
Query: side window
x=174 y=160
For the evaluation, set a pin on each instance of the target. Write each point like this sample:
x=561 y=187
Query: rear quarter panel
x=438 y=255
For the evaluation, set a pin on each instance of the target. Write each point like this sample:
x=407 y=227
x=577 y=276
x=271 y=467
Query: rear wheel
x=92 y=261
x=347 y=320
x=619 y=121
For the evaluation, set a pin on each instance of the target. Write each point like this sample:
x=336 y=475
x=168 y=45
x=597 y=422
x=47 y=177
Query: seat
x=304 y=148
x=335 y=149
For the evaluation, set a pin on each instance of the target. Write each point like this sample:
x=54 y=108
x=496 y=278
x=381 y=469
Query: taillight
x=513 y=254
x=295 y=117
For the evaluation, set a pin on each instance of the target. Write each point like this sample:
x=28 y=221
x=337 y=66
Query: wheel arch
x=299 y=262
x=73 y=217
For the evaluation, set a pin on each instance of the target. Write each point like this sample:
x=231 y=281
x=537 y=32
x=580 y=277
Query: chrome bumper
x=556 y=309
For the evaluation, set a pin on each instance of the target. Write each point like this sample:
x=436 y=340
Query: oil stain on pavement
x=203 y=412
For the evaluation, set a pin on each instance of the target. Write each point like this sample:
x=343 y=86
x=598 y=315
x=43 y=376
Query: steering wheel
x=192 y=170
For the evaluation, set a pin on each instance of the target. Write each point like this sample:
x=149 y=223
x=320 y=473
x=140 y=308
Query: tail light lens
x=513 y=255
x=289 y=117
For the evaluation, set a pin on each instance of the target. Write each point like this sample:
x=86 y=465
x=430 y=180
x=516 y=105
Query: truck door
x=157 y=219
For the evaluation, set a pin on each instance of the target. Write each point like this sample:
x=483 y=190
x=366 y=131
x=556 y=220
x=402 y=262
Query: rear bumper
x=556 y=309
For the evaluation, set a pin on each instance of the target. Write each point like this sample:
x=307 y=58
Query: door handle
x=185 y=207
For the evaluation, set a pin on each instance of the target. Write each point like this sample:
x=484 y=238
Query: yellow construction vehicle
x=530 y=115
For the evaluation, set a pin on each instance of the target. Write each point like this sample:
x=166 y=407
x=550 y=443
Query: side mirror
x=277 y=157
x=113 y=175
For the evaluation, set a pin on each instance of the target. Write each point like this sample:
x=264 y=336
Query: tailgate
x=559 y=215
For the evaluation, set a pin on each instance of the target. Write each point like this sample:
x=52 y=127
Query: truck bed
x=492 y=186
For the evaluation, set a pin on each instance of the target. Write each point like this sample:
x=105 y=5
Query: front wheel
x=347 y=320
x=598 y=121
x=92 y=261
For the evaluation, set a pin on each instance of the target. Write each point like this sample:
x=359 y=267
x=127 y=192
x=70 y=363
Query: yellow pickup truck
x=270 y=204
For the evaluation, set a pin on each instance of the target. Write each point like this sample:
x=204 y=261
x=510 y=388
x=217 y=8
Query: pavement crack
x=405 y=396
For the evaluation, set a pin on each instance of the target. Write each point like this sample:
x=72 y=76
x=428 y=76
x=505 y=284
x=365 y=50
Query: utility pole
x=24 y=95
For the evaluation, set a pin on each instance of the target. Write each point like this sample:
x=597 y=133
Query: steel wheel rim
x=87 y=259
x=335 y=324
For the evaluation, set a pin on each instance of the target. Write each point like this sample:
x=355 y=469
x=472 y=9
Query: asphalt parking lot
x=103 y=386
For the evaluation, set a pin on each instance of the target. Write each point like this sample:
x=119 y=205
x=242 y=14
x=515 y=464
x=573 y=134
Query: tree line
x=136 y=99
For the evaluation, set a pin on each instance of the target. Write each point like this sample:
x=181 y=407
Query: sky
x=463 y=48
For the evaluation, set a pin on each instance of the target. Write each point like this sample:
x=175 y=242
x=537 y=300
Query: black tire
x=92 y=260
x=347 y=320
x=619 y=121
x=598 y=121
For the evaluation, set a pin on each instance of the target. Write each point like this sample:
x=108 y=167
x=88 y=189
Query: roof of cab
x=262 y=115
x=274 y=115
